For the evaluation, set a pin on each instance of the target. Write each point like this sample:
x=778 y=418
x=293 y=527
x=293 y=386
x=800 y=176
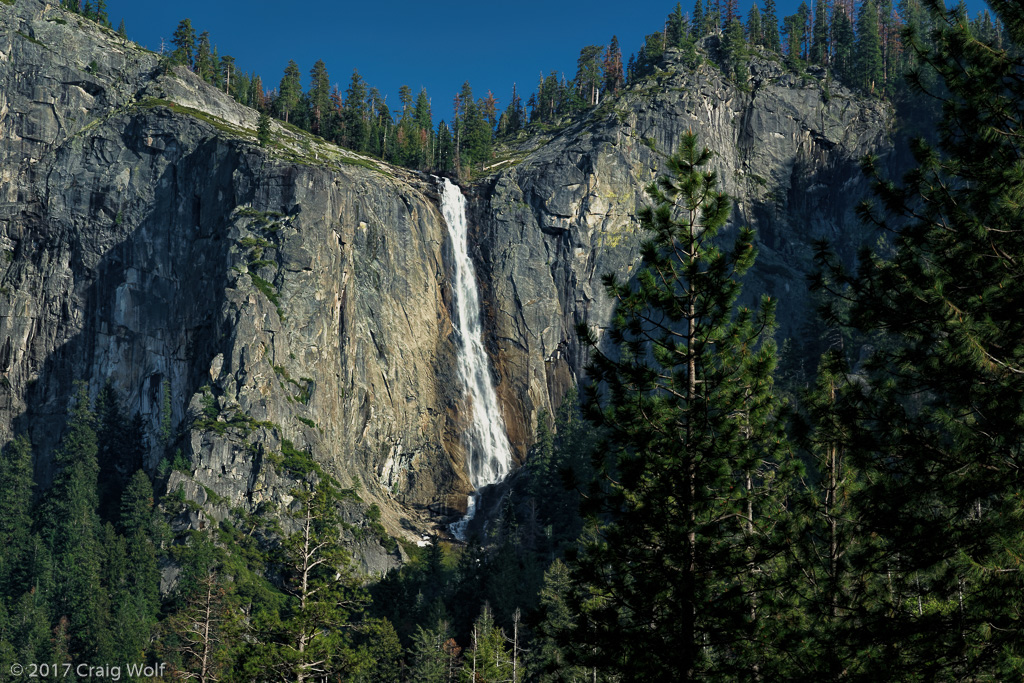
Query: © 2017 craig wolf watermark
x=109 y=672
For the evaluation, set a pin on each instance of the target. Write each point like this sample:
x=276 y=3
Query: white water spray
x=489 y=457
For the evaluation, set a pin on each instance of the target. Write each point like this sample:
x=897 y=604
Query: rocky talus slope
x=295 y=298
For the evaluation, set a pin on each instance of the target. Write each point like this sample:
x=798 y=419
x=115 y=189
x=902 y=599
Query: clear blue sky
x=436 y=45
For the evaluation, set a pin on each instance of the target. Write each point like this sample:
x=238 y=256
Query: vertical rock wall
x=295 y=293
x=551 y=224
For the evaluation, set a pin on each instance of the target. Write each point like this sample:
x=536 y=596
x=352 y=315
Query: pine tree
x=16 y=486
x=429 y=655
x=793 y=28
x=227 y=71
x=100 y=14
x=732 y=12
x=843 y=43
x=940 y=425
x=184 y=41
x=697 y=26
x=819 y=38
x=755 y=30
x=73 y=530
x=549 y=661
x=693 y=436
x=263 y=129
x=201 y=627
x=735 y=45
x=514 y=116
x=310 y=640
x=868 y=50
x=356 y=114
x=122 y=30
x=487 y=660
x=319 y=96
x=588 y=74
x=445 y=148
x=380 y=653
x=422 y=115
x=290 y=90
x=258 y=97
x=675 y=27
x=473 y=133
x=611 y=66
x=771 y=27
x=205 y=65
x=826 y=533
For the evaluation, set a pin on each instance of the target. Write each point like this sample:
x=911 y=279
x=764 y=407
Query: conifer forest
x=719 y=491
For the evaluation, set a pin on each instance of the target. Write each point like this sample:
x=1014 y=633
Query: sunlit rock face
x=292 y=292
x=554 y=221
x=248 y=300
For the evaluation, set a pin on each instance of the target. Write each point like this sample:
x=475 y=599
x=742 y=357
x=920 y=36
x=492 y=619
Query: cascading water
x=489 y=457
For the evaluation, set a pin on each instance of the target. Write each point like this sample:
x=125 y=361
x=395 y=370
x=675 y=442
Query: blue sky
x=436 y=45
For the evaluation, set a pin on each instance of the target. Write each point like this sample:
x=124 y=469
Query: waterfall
x=489 y=457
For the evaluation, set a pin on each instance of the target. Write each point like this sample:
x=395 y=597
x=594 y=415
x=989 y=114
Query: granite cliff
x=553 y=221
x=294 y=298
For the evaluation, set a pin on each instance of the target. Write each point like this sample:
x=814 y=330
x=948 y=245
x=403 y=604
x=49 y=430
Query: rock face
x=296 y=293
x=294 y=298
x=548 y=227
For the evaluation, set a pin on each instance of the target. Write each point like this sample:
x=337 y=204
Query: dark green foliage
x=380 y=653
x=307 y=637
x=771 y=27
x=735 y=50
x=823 y=579
x=356 y=133
x=166 y=413
x=697 y=26
x=588 y=74
x=487 y=659
x=819 y=37
x=755 y=30
x=263 y=129
x=290 y=90
x=549 y=661
x=559 y=468
x=868 y=52
x=686 y=495
x=184 y=41
x=650 y=55
x=205 y=65
x=226 y=69
x=319 y=97
x=793 y=28
x=939 y=430
x=73 y=529
x=843 y=61
x=473 y=133
x=445 y=148
x=122 y=446
x=100 y=14
x=676 y=27
x=16 y=486
x=433 y=652
x=202 y=628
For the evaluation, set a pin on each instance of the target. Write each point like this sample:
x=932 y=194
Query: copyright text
x=108 y=672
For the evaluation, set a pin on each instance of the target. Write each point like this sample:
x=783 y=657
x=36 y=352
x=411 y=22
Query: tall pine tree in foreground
x=677 y=561
x=309 y=638
x=940 y=440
